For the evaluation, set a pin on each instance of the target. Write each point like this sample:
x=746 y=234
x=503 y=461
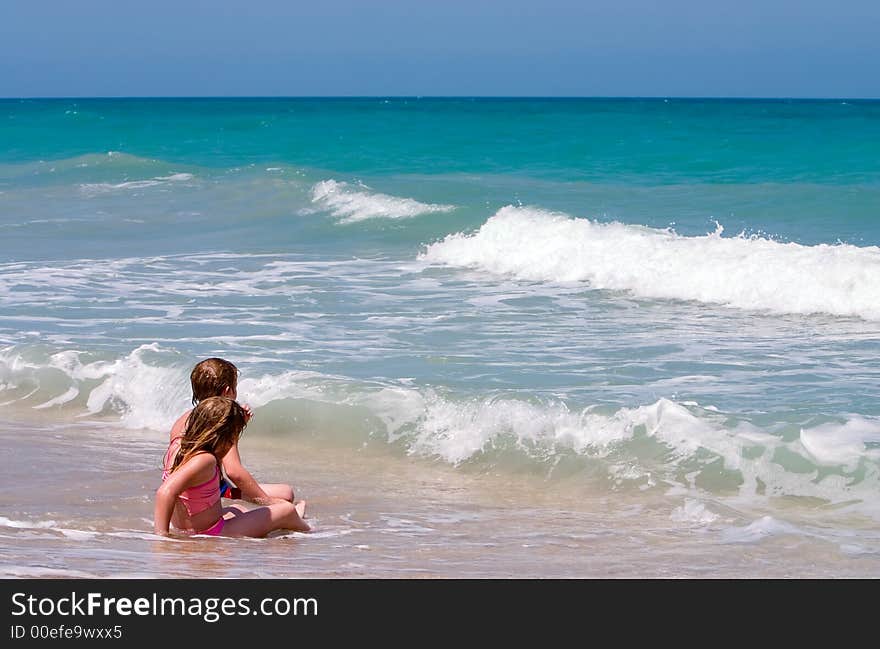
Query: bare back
x=179 y=426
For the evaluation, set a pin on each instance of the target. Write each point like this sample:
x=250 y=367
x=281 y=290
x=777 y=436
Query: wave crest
x=743 y=272
x=351 y=204
x=665 y=444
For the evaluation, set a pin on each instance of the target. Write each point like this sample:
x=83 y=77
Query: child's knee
x=284 y=508
x=287 y=493
x=282 y=491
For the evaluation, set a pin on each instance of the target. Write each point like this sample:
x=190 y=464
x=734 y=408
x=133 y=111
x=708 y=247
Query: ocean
x=483 y=338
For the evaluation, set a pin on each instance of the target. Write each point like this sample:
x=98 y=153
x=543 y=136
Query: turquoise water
x=635 y=294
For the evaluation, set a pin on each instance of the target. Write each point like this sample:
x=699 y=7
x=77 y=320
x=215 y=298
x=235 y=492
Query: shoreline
x=374 y=516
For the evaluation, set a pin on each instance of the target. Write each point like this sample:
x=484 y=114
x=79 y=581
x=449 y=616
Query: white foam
x=27 y=525
x=293 y=384
x=146 y=536
x=743 y=272
x=70 y=395
x=176 y=177
x=332 y=534
x=78 y=535
x=457 y=431
x=147 y=394
x=108 y=187
x=156 y=284
x=397 y=525
x=100 y=188
x=758 y=530
x=843 y=444
x=351 y=204
x=148 y=388
x=694 y=512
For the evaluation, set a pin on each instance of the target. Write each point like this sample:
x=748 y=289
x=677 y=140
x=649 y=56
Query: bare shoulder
x=199 y=468
x=179 y=425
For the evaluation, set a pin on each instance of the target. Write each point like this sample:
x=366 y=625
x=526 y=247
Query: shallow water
x=76 y=508
x=482 y=338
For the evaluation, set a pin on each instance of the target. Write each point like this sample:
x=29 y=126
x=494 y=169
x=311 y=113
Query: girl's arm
x=185 y=476
x=250 y=488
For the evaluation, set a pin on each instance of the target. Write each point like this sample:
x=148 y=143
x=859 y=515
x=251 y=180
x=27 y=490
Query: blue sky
x=741 y=48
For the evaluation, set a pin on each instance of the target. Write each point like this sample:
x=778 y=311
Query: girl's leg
x=260 y=521
x=273 y=490
x=233 y=510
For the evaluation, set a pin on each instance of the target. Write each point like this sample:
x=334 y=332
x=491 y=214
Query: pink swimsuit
x=201 y=497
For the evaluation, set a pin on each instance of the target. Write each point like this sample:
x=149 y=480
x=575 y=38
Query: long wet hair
x=210 y=377
x=214 y=426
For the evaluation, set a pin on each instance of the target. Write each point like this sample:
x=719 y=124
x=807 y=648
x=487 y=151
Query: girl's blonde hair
x=214 y=426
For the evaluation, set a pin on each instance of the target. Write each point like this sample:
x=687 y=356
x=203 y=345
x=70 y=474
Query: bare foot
x=300 y=507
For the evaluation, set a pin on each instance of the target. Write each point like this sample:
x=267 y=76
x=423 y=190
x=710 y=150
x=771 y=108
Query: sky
x=594 y=48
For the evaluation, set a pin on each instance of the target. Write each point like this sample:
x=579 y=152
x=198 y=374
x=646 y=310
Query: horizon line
x=522 y=97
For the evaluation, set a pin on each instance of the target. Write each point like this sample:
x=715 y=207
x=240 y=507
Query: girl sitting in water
x=189 y=498
x=217 y=377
